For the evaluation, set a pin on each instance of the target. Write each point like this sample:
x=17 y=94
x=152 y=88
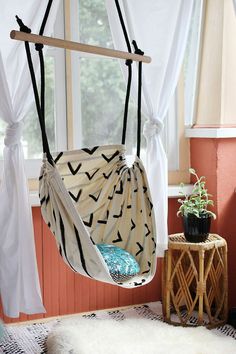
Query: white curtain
x=234 y=3
x=160 y=28
x=19 y=283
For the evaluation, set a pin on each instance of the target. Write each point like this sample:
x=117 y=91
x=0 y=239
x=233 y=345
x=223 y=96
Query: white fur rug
x=134 y=336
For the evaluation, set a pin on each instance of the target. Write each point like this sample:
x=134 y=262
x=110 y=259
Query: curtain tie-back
x=13 y=134
x=152 y=127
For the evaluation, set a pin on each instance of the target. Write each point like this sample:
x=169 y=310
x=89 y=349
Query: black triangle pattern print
x=58 y=157
x=42 y=200
x=141 y=283
x=119 y=239
x=120 y=214
x=94 y=197
x=148 y=270
x=110 y=197
x=91 y=175
x=120 y=190
x=107 y=176
x=148 y=231
x=90 y=151
x=132 y=225
x=76 y=198
x=47 y=199
x=89 y=222
x=104 y=221
x=72 y=170
x=140 y=248
x=110 y=158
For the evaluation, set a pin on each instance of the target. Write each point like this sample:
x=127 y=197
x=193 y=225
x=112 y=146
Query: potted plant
x=194 y=210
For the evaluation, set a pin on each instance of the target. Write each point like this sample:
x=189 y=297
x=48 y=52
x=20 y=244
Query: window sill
x=210 y=133
x=34 y=199
x=173 y=192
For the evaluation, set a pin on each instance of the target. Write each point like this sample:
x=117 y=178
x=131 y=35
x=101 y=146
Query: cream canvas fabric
x=91 y=196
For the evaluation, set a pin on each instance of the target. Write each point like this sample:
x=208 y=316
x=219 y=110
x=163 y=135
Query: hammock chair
x=91 y=197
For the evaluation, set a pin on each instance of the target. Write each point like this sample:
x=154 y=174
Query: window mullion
x=73 y=71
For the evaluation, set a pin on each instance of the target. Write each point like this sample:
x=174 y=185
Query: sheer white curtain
x=19 y=283
x=234 y=2
x=160 y=28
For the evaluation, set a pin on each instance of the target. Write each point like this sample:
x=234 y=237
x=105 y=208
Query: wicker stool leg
x=167 y=284
x=201 y=286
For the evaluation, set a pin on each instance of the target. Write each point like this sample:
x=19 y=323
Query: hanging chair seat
x=90 y=197
x=92 y=200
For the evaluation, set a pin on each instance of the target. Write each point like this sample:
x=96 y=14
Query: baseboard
x=48 y=319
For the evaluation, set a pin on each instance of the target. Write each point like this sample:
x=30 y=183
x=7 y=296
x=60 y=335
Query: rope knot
x=23 y=27
x=152 y=127
x=39 y=46
x=136 y=49
x=128 y=62
x=13 y=134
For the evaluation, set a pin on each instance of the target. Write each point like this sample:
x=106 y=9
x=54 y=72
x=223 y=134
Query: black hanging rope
x=126 y=109
x=23 y=27
x=139 y=113
x=40 y=102
x=129 y=64
x=42 y=28
x=123 y=26
x=38 y=106
x=39 y=48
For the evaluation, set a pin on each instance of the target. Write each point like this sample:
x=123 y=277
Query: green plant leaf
x=197 y=202
x=192 y=171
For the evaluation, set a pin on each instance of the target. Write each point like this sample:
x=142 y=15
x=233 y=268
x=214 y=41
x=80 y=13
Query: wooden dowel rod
x=61 y=43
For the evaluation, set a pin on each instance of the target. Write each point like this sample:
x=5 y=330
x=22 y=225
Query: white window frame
x=75 y=82
x=32 y=166
x=191 y=85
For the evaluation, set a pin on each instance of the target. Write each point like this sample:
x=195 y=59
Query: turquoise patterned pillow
x=121 y=264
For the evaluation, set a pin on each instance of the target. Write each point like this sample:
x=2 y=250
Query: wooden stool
x=195 y=282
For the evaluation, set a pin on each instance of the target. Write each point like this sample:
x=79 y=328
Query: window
x=101 y=88
x=31 y=138
x=96 y=93
x=55 y=108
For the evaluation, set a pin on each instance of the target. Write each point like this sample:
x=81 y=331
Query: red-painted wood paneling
x=51 y=273
x=65 y=292
x=38 y=236
x=216 y=159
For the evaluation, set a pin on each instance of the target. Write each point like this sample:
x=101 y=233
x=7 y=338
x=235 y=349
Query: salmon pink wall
x=216 y=159
x=65 y=292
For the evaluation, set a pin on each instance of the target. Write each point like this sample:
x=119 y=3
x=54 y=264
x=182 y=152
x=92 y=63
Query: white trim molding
x=173 y=190
x=210 y=133
x=34 y=199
